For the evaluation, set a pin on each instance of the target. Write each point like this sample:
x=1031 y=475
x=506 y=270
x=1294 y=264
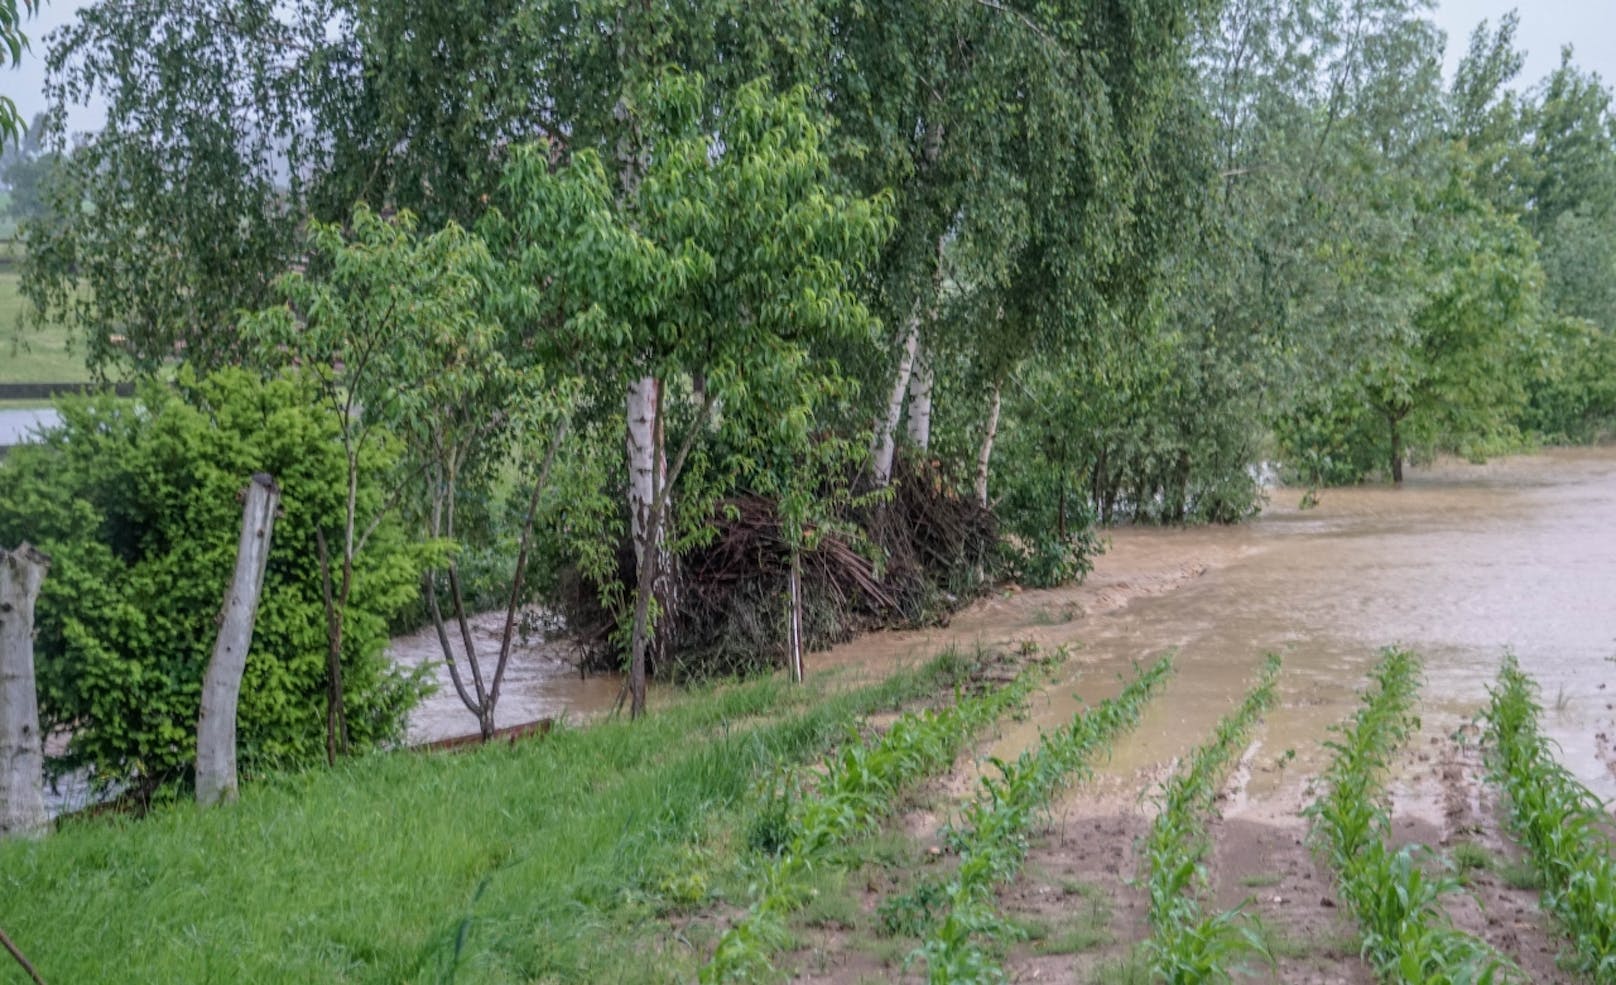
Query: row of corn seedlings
x=858 y=788
x=1188 y=945
x=1563 y=826
x=991 y=838
x=1407 y=936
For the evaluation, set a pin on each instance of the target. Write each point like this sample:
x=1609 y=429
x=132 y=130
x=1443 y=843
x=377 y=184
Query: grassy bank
x=565 y=859
x=29 y=354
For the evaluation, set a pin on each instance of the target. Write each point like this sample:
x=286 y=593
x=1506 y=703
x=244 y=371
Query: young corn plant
x=1562 y=825
x=1187 y=945
x=1407 y=936
x=858 y=788
x=991 y=838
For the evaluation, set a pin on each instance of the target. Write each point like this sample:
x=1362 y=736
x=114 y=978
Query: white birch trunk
x=648 y=479
x=986 y=452
x=886 y=435
x=22 y=748
x=794 y=626
x=221 y=685
x=642 y=456
x=920 y=387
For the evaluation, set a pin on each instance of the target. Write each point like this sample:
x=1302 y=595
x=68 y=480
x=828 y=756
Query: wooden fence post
x=22 y=748
x=221 y=686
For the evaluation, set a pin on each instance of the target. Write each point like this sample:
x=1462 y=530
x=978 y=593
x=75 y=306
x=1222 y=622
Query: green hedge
x=137 y=503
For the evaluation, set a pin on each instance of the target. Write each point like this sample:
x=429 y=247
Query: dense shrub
x=137 y=503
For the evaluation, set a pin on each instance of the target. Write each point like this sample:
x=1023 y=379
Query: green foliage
x=137 y=502
x=990 y=838
x=12 y=44
x=183 y=208
x=1188 y=945
x=387 y=868
x=859 y=786
x=1571 y=383
x=1562 y=824
x=1407 y=937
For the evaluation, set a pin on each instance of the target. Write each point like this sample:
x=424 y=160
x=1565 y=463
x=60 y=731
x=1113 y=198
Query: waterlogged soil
x=1463 y=564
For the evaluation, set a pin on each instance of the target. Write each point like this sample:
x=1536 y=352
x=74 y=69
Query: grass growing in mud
x=1408 y=937
x=858 y=788
x=991 y=839
x=1563 y=826
x=1188 y=945
x=557 y=860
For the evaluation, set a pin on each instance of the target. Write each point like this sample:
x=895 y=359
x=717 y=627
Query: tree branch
x=6 y=942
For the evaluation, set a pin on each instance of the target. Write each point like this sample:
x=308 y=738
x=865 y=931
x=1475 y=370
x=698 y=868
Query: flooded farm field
x=1462 y=564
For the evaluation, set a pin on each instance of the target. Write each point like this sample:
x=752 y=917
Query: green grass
x=557 y=860
x=28 y=353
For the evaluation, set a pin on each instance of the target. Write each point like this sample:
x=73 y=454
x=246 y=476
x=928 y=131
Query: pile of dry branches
x=909 y=561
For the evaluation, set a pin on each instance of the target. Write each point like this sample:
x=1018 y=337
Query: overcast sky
x=1546 y=25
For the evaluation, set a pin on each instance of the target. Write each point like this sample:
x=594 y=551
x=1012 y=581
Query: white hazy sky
x=1546 y=25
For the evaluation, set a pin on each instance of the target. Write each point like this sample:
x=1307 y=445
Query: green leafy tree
x=385 y=329
x=723 y=263
x=183 y=209
x=1437 y=377
x=13 y=42
x=136 y=501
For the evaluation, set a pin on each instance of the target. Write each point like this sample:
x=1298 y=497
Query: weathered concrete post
x=22 y=749
x=221 y=686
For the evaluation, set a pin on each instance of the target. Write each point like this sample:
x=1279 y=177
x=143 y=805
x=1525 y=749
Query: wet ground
x=1462 y=563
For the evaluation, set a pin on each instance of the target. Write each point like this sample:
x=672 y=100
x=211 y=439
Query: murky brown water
x=541 y=681
x=1461 y=564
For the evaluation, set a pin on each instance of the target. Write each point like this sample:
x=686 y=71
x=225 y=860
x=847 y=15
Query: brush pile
x=910 y=561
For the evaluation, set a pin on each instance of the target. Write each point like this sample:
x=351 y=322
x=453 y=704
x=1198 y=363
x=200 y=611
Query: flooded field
x=1462 y=563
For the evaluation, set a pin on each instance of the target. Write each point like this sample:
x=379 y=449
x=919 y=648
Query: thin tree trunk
x=649 y=552
x=517 y=577
x=221 y=685
x=794 y=624
x=336 y=718
x=986 y=453
x=885 y=445
x=20 y=958
x=921 y=381
x=1397 y=450
x=22 y=750
x=644 y=472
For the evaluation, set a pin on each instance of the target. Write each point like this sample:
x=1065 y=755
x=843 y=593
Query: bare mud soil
x=1462 y=564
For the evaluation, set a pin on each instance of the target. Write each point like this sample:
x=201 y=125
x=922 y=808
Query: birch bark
x=921 y=381
x=22 y=750
x=986 y=452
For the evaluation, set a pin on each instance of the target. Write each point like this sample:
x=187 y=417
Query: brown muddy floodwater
x=1463 y=563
